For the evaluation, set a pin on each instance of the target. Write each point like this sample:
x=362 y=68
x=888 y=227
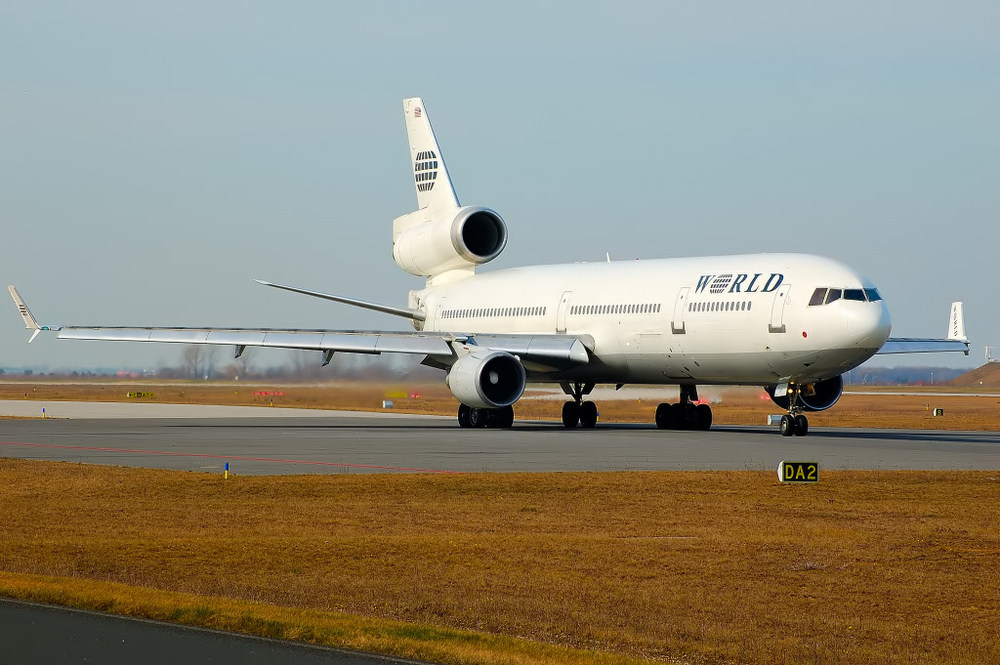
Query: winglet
x=29 y=319
x=956 y=326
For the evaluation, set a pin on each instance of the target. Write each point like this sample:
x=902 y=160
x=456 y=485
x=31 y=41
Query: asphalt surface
x=343 y=442
x=33 y=634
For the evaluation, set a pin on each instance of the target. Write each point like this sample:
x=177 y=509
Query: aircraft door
x=781 y=298
x=680 y=306
x=562 y=312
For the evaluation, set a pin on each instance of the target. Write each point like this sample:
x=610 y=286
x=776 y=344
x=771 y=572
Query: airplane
x=791 y=323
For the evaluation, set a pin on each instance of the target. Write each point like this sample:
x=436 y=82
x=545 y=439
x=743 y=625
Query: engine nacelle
x=487 y=379
x=818 y=396
x=470 y=238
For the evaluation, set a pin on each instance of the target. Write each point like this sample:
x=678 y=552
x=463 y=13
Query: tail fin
x=956 y=325
x=430 y=175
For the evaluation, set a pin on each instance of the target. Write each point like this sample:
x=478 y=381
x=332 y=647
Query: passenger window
x=833 y=295
x=854 y=294
x=818 y=297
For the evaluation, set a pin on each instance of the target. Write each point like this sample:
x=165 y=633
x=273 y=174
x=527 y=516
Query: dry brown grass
x=888 y=567
x=737 y=406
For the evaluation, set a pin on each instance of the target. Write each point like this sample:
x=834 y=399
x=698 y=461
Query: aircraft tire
x=787 y=426
x=588 y=414
x=685 y=416
x=502 y=418
x=464 y=416
x=703 y=413
x=478 y=417
x=664 y=416
x=570 y=415
x=801 y=425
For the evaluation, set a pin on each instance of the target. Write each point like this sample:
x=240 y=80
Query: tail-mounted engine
x=468 y=238
x=487 y=379
x=818 y=396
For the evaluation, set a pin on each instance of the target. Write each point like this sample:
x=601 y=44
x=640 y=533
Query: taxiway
x=296 y=441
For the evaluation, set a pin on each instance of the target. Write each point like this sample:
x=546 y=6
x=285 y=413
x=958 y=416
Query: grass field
x=886 y=567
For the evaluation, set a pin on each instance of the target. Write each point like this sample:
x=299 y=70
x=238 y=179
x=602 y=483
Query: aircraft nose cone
x=871 y=325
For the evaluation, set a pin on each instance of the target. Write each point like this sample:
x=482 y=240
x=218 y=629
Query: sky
x=155 y=157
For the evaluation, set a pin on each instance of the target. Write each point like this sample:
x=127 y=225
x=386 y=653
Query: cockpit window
x=825 y=296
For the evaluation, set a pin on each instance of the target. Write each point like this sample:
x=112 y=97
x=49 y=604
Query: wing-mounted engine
x=458 y=240
x=818 y=396
x=487 y=379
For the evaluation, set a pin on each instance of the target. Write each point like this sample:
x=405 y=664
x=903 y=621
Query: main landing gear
x=686 y=414
x=470 y=416
x=578 y=412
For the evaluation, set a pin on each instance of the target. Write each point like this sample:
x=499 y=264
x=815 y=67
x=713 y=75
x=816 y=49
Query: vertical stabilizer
x=956 y=326
x=430 y=175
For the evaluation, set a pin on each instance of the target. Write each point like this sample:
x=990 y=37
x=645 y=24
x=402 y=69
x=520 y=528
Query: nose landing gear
x=794 y=423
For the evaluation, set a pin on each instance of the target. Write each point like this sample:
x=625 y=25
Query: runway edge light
x=798 y=472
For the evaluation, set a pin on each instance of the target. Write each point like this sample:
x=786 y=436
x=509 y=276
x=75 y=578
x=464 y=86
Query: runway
x=347 y=442
x=47 y=635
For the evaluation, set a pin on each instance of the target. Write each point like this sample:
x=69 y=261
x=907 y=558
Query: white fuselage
x=710 y=320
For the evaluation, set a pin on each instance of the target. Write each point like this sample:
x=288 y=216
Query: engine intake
x=818 y=396
x=487 y=379
x=471 y=237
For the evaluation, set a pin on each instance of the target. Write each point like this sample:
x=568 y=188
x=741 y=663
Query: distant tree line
x=198 y=361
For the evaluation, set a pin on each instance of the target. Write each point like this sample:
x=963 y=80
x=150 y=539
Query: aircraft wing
x=551 y=351
x=896 y=345
x=956 y=341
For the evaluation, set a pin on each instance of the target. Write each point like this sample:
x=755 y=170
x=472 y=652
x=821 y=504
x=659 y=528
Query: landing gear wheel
x=570 y=415
x=787 y=426
x=687 y=418
x=464 y=416
x=801 y=425
x=664 y=416
x=703 y=417
x=478 y=417
x=588 y=414
x=502 y=418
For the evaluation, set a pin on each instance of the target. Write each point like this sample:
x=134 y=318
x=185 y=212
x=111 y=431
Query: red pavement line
x=225 y=457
